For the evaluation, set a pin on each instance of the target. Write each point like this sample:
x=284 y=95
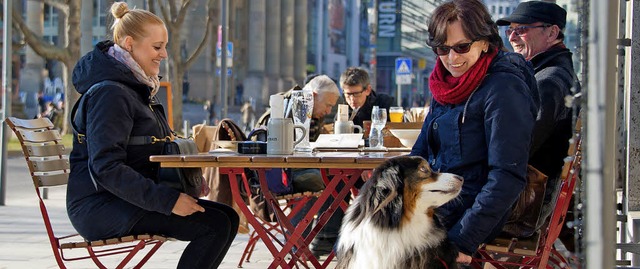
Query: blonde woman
x=113 y=189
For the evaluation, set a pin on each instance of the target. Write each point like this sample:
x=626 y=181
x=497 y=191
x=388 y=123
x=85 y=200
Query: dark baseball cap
x=536 y=11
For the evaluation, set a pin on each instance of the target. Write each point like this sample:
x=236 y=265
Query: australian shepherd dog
x=391 y=222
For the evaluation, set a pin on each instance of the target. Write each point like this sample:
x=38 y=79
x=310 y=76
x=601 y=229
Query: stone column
x=254 y=84
x=300 y=41
x=273 y=38
x=287 y=37
x=31 y=75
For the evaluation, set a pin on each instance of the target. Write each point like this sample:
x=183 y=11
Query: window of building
x=101 y=8
x=50 y=16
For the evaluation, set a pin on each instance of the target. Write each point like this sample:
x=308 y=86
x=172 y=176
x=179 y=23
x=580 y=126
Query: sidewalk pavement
x=24 y=242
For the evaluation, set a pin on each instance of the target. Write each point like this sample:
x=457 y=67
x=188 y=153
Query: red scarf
x=449 y=90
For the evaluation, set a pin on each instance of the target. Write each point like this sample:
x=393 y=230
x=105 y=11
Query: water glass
x=378 y=121
x=302 y=110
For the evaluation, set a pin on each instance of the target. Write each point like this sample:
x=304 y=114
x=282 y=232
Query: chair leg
x=248 y=249
x=95 y=258
x=152 y=251
x=140 y=245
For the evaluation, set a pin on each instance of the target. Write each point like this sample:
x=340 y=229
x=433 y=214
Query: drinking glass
x=378 y=121
x=302 y=109
x=396 y=114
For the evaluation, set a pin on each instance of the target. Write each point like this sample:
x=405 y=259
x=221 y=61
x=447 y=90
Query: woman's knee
x=221 y=211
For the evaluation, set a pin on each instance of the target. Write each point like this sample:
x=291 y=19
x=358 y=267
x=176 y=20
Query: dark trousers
x=210 y=233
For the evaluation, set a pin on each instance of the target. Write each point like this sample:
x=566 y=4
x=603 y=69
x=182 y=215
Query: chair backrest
x=46 y=156
x=569 y=178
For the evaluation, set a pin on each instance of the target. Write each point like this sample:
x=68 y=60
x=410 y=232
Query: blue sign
x=229 y=72
x=229 y=50
x=403 y=66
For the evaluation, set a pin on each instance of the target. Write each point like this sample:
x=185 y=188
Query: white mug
x=280 y=136
x=345 y=127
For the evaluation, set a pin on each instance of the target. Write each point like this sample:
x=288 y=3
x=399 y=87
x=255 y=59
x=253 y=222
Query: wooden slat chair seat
x=537 y=251
x=48 y=163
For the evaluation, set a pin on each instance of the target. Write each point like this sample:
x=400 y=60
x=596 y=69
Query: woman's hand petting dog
x=463 y=258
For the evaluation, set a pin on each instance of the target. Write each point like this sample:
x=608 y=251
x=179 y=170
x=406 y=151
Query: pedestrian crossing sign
x=403 y=66
x=403 y=71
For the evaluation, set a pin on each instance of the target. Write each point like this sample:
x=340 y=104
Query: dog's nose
x=459 y=178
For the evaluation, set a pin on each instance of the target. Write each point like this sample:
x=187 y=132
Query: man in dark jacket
x=535 y=31
x=361 y=98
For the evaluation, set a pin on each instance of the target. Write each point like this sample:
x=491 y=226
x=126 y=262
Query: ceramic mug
x=280 y=136
x=346 y=127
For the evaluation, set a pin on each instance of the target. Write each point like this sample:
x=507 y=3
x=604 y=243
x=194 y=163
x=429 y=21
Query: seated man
x=325 y=97
x=359 y=95
x=536 y=31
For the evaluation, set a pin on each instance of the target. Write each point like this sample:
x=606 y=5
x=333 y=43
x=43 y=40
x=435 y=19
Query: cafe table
x=336 y=166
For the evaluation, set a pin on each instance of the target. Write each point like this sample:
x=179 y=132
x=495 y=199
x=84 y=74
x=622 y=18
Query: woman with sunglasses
x=480 y=121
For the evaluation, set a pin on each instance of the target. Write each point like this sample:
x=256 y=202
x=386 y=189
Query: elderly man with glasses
x=361 y=98
x=535 y=31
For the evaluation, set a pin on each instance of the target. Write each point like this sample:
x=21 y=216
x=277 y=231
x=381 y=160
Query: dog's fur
x=391 y=222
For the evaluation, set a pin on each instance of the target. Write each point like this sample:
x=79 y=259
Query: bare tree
x=67 y=53
x=174 y=14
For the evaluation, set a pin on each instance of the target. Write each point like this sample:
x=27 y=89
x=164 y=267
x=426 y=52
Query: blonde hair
x=130 y=22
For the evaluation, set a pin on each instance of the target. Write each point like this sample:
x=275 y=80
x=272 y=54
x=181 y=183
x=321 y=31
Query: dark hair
x=474 y=17
x=354 y=76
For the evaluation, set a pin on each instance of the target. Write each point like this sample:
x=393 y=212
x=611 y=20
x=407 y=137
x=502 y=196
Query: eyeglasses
x=522 y=30
x=354 y=94
x=460 y=48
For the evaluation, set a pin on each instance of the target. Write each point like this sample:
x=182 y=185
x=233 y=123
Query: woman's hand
x=186 y=205
x=463 y=258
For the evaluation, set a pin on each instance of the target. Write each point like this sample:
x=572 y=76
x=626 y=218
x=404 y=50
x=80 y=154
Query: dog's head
x=403 y=186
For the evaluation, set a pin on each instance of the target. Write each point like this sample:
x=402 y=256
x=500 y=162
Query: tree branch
x=172 y=9
x=59 y=5
x=205 y=40
x=165 y=14
x=183 y=12
x=36 y=43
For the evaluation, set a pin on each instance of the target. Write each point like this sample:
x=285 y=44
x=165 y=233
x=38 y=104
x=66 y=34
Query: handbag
x=526 y=210
x=187 y=180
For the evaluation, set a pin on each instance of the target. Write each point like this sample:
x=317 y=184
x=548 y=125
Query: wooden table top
x=334 y=159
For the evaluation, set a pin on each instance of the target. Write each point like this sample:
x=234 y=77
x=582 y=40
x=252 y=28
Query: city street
x=24 y=243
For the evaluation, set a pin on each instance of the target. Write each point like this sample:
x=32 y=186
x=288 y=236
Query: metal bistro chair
x=49 y=166
x=538 y=251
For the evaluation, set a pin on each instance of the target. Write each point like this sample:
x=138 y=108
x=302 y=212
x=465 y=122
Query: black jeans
x=210 y=232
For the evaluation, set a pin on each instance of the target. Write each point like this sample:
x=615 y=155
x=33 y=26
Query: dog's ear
x=386 y=197
x=392 y=195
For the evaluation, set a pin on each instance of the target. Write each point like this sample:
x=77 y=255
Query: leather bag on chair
x=525 y=212
x=226 y=130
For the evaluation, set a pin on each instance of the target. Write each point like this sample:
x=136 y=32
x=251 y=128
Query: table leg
x=294 y=236
x=233 y=174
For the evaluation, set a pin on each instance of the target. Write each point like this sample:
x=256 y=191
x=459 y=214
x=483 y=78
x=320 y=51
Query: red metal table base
x=294 y=236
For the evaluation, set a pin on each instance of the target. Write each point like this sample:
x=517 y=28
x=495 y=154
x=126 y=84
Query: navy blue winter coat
x=111 y=183
x=486 y=140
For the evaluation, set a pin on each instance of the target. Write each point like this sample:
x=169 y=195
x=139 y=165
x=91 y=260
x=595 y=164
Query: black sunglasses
x=460 y=48
x=522 y=30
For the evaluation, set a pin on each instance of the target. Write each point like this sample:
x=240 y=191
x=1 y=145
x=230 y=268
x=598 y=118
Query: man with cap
x=535 y=31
